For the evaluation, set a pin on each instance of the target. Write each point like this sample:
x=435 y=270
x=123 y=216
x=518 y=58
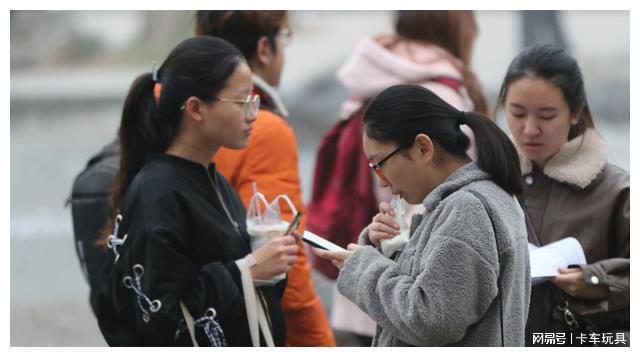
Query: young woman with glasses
x=462 y=278
x=431 y=48
x=177 y=230
x=270 y=159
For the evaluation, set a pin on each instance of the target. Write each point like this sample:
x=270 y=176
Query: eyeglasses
x=286 y=35
x=377 y=167
x=251 y=104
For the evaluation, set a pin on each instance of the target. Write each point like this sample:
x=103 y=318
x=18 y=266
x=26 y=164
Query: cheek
x=516 y=128
x=557 y=137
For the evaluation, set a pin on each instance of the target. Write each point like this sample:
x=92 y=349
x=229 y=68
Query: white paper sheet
x=546 y=260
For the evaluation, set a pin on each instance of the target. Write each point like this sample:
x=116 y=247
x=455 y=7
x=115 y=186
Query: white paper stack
x=546 y=260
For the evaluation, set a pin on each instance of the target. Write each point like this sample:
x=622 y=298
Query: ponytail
x=138 y=136
x=496 y=154
x=401 y=112
x=152 y=114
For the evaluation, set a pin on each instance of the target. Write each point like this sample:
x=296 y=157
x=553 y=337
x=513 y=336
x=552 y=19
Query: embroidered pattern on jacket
x=210 y=326
x=114 y=241
x=146 y=305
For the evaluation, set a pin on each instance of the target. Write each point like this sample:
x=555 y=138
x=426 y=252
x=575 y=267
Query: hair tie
x=462 y=117
x=157 y=90
x=154 y=72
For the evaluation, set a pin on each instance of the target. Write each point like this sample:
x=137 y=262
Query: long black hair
x=554 y=64
x=151 y=117
x=401 y=112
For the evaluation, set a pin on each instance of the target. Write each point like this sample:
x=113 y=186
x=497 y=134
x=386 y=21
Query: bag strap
x=450 y=82
x=495 y=235
x=256 y=316
x=188 y=319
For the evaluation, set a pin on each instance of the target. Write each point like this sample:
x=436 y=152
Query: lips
x=532 y=146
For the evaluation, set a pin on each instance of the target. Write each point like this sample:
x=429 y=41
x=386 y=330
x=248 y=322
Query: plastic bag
x=264 y=220
x=390 y=246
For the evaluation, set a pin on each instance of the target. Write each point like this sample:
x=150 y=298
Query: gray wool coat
x=442 y=288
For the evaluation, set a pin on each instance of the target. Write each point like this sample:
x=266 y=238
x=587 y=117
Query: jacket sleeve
x=453 y=290
x=170 y=276
x=614 y=272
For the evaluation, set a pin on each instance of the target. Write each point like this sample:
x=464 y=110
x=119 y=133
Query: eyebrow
x=543 y=109
x=370 y=157
x=243 y=91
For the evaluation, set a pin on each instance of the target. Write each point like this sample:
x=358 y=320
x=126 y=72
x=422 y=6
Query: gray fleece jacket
x=442 y=288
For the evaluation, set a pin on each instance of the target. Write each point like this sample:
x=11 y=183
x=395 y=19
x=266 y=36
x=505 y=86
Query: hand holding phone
x=321 y=243
x=293 y=225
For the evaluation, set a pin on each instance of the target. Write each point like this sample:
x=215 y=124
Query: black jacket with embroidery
x=183 y=245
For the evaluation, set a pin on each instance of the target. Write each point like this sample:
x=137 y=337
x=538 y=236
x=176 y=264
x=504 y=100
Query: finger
x=387 y=220
x=561 y=280
x=320 y=252
x=296 y=235
x=386 y=209
x=352 y=246
x=290 y=260
x=289 y=240
x=376 y=237
x=291 y=249
x=568 y=270
x=384 y=228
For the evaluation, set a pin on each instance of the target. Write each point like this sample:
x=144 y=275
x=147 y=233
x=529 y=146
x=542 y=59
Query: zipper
x=226 y=210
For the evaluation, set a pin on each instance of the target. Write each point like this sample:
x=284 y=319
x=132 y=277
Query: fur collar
x=578 y=162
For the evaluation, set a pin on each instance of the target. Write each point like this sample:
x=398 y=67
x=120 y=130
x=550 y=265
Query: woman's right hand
x=383 y=225
x=274 y=257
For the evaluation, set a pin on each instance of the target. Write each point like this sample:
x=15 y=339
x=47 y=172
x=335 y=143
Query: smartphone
x=319 y=242
x=294 y=224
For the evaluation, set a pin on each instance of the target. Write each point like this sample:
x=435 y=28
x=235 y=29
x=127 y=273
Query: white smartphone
x=319 y=242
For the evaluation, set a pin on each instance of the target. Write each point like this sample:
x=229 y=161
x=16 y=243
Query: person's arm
x=454 y=289
x=171 y=276
x=606 y=279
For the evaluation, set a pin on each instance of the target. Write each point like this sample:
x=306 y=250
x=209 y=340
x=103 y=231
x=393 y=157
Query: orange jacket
x=271 y=160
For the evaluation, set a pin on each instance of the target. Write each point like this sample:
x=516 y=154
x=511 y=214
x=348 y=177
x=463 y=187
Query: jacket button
x=594 y=280
x=528 y=180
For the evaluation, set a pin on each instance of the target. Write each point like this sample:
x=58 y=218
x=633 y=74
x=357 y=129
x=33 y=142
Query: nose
x=384 y=182
x=531 y=127
x=250 y=118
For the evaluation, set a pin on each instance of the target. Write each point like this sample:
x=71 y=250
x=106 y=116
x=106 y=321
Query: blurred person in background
x=177 y=228
x=270 y=158
x=570 y=190
x=430 y=48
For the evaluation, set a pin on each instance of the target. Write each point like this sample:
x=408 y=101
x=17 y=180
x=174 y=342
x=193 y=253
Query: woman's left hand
x=571 y=281
x=337 y=258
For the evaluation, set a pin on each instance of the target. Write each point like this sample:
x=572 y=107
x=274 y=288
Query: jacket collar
x=461 y=177
x=578 y=162
x=184 y=165
x=269 y=96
